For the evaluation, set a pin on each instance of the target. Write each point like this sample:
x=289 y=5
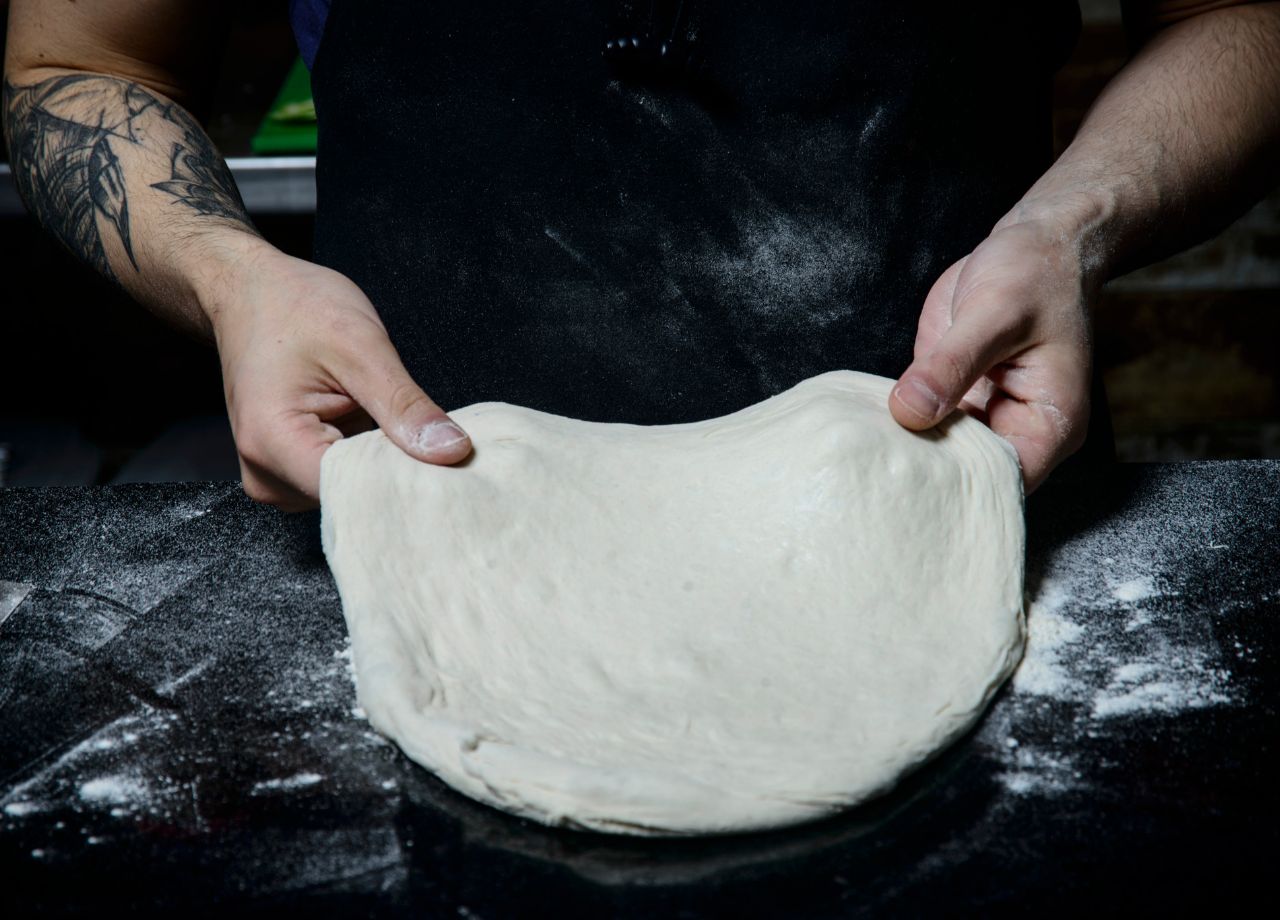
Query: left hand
x=1005 y=336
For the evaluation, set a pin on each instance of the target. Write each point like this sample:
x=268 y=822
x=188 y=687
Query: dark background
x=93 y=389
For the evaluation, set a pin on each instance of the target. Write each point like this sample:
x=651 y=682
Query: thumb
x=376 y=379
x=935 y=382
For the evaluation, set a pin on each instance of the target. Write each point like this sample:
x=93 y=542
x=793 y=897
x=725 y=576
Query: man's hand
x=1004 y=335
x=305 y=358
x=305 y=361
x=1178 y=144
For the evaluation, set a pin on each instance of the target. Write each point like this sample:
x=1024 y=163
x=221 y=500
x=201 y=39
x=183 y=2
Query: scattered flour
x=287 y=783
x=1032 y=771
x=125 y=769
x=114 y=790
x=168 y=687
x=344 y=655
x=156 y=756
x=1105 y=644
x=1134 y=590
x=1043 y=671
x=787 y=268
x=101 y=757
x=1163 y=687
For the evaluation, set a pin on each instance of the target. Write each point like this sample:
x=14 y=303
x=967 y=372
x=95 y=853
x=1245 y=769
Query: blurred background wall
x=94 y=390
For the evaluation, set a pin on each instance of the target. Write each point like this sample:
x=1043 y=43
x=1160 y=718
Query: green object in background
x=290 y=124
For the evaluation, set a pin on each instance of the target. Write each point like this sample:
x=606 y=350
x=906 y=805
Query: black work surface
x=177 y=733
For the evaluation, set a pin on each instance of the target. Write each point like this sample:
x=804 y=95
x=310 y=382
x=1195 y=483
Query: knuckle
x=1078 y=411
x=1078 y=435
x=952 y=369
x=406 y=398
x=251 y=447
x=1066 y=427
x=354 y=328
x=257 y=490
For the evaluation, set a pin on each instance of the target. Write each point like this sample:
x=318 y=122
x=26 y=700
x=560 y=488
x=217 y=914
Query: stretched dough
x=732 y=624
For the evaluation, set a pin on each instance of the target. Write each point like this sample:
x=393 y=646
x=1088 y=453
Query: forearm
x=1180 y=142
x=129 y=182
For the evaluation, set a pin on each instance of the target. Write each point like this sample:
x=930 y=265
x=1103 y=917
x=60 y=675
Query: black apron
x=656 y=212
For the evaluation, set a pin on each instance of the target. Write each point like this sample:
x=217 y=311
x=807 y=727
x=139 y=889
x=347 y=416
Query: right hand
x=306 y=361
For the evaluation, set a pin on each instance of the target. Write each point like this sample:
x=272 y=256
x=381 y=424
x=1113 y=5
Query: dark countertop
x=177 y=733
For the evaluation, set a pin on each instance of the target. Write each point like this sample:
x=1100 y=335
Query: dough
x=726 y=625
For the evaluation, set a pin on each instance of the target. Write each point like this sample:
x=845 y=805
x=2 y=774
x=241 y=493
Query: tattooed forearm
x=67 y=136
x=63 y=162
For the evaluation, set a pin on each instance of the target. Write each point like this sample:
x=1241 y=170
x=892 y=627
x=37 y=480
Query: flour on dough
x=732 y=624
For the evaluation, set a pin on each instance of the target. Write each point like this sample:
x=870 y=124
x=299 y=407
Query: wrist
x=221 y=269
x=1107 y=213
x=1085 y=221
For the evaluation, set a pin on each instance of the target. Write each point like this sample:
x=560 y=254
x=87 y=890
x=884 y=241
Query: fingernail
x=438 y=435
x=919 y=398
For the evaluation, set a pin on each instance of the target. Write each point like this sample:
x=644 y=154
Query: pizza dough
x=726 y=625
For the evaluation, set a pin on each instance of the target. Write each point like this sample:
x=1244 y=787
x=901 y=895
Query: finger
x=353 y=423
x=975 y=401
x=1042 y=433
x=337 y=409
x=282 y=466
x=261 y=486
x=981 y=337
x=372 y=373
x=1029 y=430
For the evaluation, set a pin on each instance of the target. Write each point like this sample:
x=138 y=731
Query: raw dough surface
x=733 y=624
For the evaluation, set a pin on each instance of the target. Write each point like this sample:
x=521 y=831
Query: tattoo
x=64 y=164
x=199 y=177
x=65 y=136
